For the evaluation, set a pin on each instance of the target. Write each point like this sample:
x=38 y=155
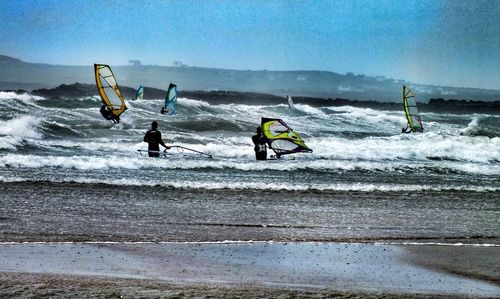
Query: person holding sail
x=107 y=113
x=153 y=138
x=260 y=148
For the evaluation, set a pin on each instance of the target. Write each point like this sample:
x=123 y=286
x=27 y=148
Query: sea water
x=354 y=149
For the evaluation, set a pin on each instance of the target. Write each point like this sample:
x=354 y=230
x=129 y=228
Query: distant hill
x=16 y=74
x=251 y=98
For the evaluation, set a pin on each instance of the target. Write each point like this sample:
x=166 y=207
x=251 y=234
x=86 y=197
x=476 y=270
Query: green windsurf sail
x=281 y=138
x=411 y=111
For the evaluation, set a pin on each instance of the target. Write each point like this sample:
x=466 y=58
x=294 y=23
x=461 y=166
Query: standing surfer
x=153 y=138
x=260 y=148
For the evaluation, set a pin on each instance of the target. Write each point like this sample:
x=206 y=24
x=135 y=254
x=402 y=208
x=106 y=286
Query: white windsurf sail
x=290 y=103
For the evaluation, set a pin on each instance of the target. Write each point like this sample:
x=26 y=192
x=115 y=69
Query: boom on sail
x=109 y=90
x=411 y=111
x=281 y=138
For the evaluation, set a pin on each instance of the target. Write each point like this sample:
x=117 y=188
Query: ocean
x=354 y=149
x=68 y=175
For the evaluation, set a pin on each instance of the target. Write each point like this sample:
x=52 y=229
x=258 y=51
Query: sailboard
x=170 y=105
x=282 y=139
x=290 y=103
x=139 y=95
x=411 y=111
x=109 y=90
x=180 y=149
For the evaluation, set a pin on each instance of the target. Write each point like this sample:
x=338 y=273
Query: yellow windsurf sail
x=108 y=89
x=281 y=138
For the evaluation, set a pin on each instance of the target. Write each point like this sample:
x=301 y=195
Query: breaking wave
x=38 y=133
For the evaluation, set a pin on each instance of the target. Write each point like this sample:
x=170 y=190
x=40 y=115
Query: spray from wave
x=10 y=95
x=24 y=126
x=474 y=128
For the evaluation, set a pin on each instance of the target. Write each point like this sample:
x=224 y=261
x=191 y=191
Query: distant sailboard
x=282 y=139
x=411 y=111
x=109 y=90
x=180 y=149
x=139 y=95
x=290 y=103
x=170 y=105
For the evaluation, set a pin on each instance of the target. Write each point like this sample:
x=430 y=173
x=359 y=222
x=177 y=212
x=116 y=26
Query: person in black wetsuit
x=260 y=148
x=153 y=138
x=107 y=113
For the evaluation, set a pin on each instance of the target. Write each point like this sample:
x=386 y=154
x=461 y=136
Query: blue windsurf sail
x=139 y=95
x=170 y=106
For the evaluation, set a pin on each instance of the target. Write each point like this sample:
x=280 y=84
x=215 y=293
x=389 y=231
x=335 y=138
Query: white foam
x=218 y=185
x=23 y=126
x=25 y=97
x=192 y=103
x=344 y=155
x=415 y=148
x=230 y=242
x=309 y=110
x=10 y=142
x=368 y=115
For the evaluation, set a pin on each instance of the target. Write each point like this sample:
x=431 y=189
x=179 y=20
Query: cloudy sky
x=453 y=43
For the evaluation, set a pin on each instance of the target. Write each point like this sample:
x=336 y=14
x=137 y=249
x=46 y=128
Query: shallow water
x=48 y=211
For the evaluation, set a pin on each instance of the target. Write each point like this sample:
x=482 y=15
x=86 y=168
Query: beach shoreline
x=79 y=212
x=141 y=222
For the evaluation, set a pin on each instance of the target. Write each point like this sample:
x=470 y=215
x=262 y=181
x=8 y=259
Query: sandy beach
x=279 y=268
x=114 y=241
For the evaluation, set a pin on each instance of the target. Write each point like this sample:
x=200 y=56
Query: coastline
x=218 y=97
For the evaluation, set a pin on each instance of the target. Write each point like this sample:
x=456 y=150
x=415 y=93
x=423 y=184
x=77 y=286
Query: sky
x=450 y=43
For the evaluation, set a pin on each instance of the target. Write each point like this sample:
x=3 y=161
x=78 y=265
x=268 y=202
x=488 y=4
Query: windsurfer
x=153 y=138
x=259 y=140
x=107 y=113
x=165 y=111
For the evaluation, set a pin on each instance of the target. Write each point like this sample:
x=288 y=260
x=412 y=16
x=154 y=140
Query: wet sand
x=306 y=266
x=160 y=266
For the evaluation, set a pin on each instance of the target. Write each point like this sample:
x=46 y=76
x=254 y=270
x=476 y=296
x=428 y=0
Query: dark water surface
x=47 y=211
